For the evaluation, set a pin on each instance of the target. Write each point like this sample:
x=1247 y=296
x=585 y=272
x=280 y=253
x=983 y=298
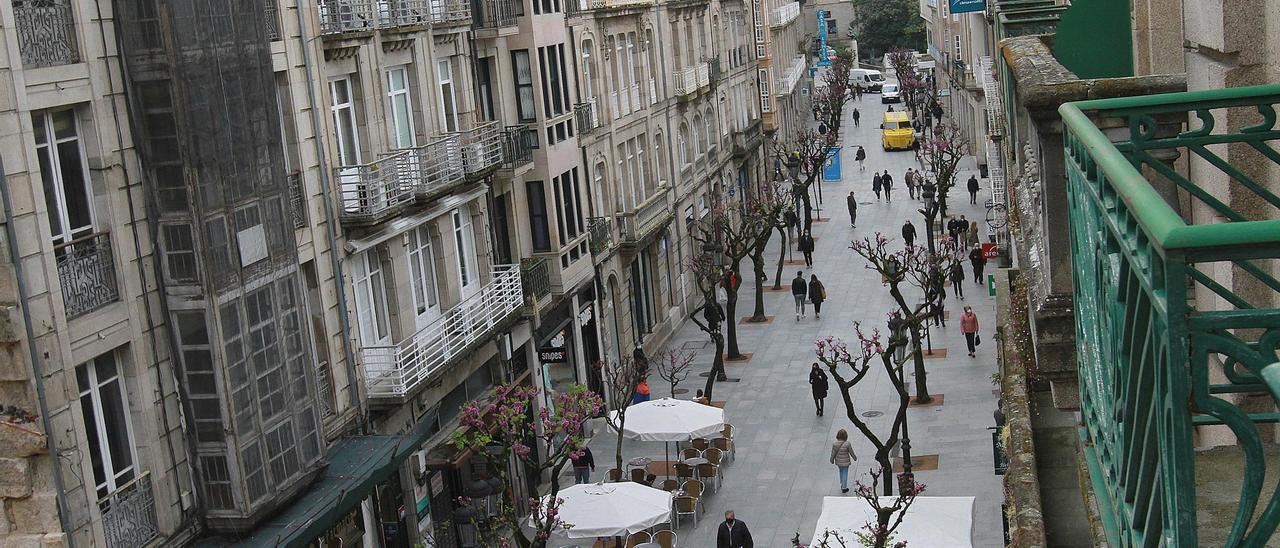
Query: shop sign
x=553 y=354
x=968 y=6
x=990 y=251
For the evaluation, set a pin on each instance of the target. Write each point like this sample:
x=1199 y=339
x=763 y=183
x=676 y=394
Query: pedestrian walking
x=799 y=290
x=973 y=189
x=583 y=465
x=969 y=326
x=909 y=179
x=806 y=247
x=875 y=185
x=898 y=336
x=817 y=294
x=857 y=119
x=909 y=233
x=842 y=456
x=957 y=278
x=887 y=183
x=818 y=384
x=733 y=533
x=971 y=236
x=978 y=261
x=934 y=297
x=861 y=155
x=853 y=210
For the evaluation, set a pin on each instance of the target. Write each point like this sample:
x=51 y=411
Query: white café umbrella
x=931 y=521
x=610 y=509
x=667 y=420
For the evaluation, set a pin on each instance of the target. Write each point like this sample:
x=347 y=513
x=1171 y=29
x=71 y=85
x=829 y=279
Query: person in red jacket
x=969 y=326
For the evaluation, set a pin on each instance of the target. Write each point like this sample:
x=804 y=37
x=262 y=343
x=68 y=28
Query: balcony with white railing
x=372 y=190
x=991 y=95
x=450 y=12
x=129 y=514
x=686 y=80
x=646 y=218
x=394 y=371
x=436 y=165
x=401 y=13
x=704 y=75
x=791 y=76
x=481 y=147
x=785 y=14
x=339 y=16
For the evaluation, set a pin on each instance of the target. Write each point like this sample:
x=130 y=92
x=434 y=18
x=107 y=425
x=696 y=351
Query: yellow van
x=896 y=132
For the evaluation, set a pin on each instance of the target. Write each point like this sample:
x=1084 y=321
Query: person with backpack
x=806 y=247
x=861 y=155
x=817 y=294
x=799 y=290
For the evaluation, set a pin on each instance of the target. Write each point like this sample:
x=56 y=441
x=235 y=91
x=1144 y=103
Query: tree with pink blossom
x=941 y=151
x=881 y=533
x=497 y=428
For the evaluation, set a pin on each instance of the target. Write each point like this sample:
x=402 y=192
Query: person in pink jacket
x=969 y=326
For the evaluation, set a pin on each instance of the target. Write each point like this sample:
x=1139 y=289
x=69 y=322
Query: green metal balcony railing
x=1177 y=320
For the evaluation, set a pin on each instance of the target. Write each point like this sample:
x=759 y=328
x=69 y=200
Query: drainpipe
x=335 y=252
x=63 y=509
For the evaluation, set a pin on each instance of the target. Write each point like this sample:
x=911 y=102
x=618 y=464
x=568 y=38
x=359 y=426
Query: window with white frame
x=633 y=184
x=465 y=240
x=697 y=136
x=400 y=102
x=64 y=174
x=422 y=272
x=104 y=406
x=448 y=100
x=682 y=144
x=372 y=317
x=343 y=108
x=524 y=85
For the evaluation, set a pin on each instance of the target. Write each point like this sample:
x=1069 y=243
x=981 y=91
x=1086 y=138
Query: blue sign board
x=968 y=6
x=822 y=40
x=831 y=171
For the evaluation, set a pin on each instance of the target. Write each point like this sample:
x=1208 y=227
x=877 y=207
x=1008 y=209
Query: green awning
x=356 y=466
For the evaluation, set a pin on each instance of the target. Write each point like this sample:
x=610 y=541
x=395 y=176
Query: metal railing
x=393 y=371
x=584 y=115
x=493 y=14
x=370 y=189
x=1165 y=343
x=46 y=32
x=338 y=16
x=437 y=164
x=785 y=13
x=450 y=11
x=991 y=96
x=398 y=13
x=271 y=18
x=129 y=514
x=518 y=143
x=787 y=82
x=686 y=80
x=600 y=234
x=297 y=202
x=536 y=278
x=481 y=147
x=87 y=274
x=704 y=75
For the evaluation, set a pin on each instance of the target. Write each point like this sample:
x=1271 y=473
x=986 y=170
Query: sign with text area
x=967 y=6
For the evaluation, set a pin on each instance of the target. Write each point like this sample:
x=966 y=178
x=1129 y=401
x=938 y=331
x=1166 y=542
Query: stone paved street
x=782 y=472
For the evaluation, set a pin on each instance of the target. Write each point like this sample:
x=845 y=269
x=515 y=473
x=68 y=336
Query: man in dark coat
x=875 y=185
x=909 y=233
x=853 y=210
x=818 y=383
x=806 y=247
x=733 y=533
x=887 y=182
x=973 y=189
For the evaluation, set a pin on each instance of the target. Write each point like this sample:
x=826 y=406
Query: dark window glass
x=539 y=232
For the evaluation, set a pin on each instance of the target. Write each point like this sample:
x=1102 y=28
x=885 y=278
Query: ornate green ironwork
x=1174 y=318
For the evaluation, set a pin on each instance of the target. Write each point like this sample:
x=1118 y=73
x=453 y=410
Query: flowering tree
x=881 y=533
x=915 y=267
x=850 y=368
x=707 y=276
x=810 y=149
x=499 y=429
x=674 y=368
x=621 y=380
x=941 y=151
x=767 y=206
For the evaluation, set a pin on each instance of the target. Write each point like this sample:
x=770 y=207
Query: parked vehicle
x=870 y=79
x=896 y=132
x=890 y=93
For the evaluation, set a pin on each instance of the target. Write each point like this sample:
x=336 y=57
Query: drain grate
x=872 y=414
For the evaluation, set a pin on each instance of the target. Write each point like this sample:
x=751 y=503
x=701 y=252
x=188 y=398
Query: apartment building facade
x=960 y=45
x=279 y=244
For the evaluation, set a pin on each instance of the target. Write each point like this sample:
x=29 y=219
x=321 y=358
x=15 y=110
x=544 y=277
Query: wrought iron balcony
x=785 y=14
x=586 y=118
x=601 y=234
x=46 y=32
x=297 y=202
x=271 y=18
x=394 y=371
x=686 y=80
x=518 y=143
x=436 y=165
x=402 y=13
x=536 y=279
x=339 y=16
x=646 y=218
x=481 y=147
x=444 y=12
x=87 y=273
x=372 y=190
x=1175 y=309
x=493 y=14
x=129 y=514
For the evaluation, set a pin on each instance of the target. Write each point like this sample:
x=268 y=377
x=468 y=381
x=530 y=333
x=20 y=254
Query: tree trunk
x=757 y=262
x=922 y=385
x=622 y=420
x=928 y=231
x=808 y=210
x=731 y=316
x=886 y=471
x=782 y=257
x=717 y=366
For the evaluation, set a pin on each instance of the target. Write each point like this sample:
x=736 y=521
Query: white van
x=870 y=80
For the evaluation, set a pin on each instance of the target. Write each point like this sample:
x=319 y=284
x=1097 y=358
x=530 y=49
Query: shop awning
x=356 y=466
